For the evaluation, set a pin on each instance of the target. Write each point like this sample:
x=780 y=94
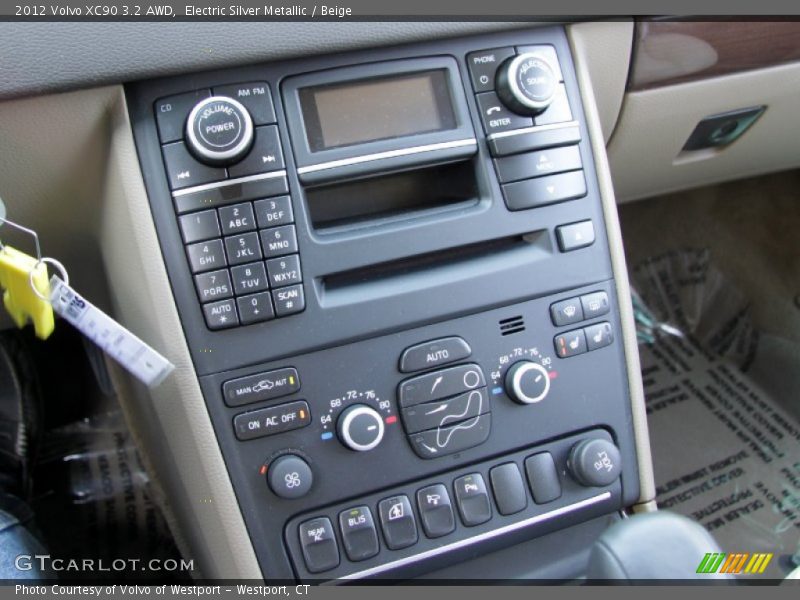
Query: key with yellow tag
x=19 y=273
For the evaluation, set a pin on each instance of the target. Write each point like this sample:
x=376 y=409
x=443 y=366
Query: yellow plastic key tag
x=19 y=273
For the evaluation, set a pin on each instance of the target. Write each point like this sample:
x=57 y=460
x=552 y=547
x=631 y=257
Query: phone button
x=496 y=117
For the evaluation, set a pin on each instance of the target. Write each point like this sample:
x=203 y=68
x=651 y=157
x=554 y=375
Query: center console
x=394 y=277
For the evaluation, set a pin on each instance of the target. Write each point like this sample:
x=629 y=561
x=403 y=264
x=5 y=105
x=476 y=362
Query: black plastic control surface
x=458 y=513
x=461 y=289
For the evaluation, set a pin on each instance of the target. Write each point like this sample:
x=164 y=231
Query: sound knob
x=526 y=84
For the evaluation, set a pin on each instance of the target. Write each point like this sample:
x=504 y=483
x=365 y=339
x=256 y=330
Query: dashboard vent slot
x=512 y=325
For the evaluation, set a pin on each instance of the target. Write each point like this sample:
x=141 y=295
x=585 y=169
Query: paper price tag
x=142 y=361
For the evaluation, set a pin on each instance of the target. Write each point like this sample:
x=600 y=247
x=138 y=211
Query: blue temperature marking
x=327 y=435
x=497 y=390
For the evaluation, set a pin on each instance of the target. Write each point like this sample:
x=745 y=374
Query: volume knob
x=219 y=131
x=527 y=382
x=360 y=427
x=526 y=84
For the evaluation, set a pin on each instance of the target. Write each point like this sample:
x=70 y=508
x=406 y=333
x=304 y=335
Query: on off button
x=219 y=131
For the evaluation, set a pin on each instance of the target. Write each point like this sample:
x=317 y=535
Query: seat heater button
x=319 y=545
x=570 y=343
x=598 y=336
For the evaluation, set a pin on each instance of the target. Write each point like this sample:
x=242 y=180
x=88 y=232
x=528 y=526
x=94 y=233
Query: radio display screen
x=356 y=112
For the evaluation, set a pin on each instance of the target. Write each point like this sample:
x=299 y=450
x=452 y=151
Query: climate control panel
x=310 y=430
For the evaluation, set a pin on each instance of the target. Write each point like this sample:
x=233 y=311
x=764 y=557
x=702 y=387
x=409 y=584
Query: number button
x=255 y=308
x=237 y=218
x=243 y=248
x=279 y=241
x=274 y=211
x=284 y=271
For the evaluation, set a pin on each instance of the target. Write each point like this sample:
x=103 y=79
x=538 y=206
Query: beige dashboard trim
x=581 y=52
x=172 y=421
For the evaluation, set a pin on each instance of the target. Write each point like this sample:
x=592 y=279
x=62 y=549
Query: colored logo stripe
x=733 y=563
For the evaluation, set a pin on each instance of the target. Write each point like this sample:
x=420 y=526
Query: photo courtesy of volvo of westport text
x=101 y=591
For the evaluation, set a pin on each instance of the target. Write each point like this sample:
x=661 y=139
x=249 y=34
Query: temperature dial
x=527 y=382
x=526 y=84
x=360 y=427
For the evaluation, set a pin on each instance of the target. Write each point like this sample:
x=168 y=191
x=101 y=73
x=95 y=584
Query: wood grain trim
x=670 y=52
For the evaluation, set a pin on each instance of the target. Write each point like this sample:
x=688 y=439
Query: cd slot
x=477 y=261
x=367 y=202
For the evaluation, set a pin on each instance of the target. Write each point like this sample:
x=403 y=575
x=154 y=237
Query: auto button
x=434 y=354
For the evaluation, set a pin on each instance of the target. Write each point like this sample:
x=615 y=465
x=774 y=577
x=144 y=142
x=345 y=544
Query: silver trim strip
x=344 y=162
x=226 y=182
x=502 y=134
x=476 y=538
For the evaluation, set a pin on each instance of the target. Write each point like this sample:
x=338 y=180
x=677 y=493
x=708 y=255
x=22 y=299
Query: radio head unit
x=355 y=121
